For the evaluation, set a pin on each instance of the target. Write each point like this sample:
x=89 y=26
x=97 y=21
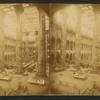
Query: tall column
x=2 y=61
x=27 y=47
x=51 y=35
x=78 y=38
x=19 y=10
x=47 y=44
x=63 y=46
x=96 y=37
x=41 y=46
x=63 y=42
x=36 y=46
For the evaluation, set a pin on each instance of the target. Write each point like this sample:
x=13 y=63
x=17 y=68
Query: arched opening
x=58 y=46
x=58 y=59
x=53 y=43
x=67 y=44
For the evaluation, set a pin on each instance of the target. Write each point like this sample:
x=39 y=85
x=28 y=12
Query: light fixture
x=25 y=5
x=12 y=8
x=6 y=9
x=90 y=7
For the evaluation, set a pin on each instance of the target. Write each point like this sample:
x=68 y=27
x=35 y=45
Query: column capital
x=18 y=9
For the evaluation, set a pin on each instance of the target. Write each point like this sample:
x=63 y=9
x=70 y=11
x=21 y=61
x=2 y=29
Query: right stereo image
x=75 y=49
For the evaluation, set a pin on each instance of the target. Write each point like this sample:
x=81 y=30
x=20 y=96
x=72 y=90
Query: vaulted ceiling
x=47 y=7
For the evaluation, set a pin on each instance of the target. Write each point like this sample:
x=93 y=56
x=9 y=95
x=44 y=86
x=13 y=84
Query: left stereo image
x=24 y=44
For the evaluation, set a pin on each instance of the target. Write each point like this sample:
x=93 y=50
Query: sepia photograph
x=75 y=49
x=49 y=49
x=23 y=37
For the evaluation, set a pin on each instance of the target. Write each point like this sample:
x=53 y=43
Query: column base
x=38 y=80
x=4 y=76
